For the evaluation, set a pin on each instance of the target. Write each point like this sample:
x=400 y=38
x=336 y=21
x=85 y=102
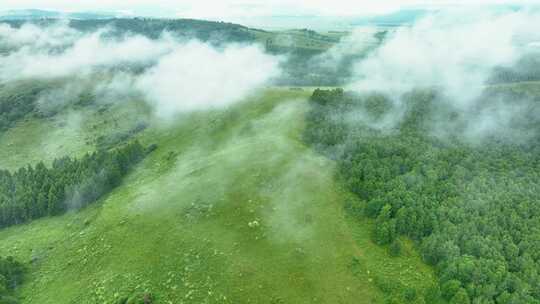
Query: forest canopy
x=472 y=208
x=69 y=184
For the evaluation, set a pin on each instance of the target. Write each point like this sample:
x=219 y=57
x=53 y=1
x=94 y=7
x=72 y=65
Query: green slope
x=231 y=208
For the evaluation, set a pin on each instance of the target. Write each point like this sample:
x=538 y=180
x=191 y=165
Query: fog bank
x=173 y=74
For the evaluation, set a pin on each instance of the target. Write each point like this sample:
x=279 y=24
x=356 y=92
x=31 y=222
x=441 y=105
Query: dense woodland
x=11 y=276
x=36 y=191
x=472 y=207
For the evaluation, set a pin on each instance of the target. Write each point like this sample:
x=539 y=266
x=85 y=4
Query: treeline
x=310 y=66
x=18 y=99
x=36 y=191
x=210 y=31
x=116 y=138
x=473 y=209
x=526 y=69
x=508 y=75
x=307 y=67
x=11 y=276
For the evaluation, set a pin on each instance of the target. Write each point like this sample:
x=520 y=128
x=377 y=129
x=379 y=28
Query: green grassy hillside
x=231 y=208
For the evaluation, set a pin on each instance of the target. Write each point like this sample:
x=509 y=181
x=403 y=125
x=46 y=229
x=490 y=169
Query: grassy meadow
x=231 y=208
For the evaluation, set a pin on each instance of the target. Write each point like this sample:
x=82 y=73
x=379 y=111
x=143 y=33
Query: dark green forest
x=69 y=184
x=11 y=275
x=473 y=208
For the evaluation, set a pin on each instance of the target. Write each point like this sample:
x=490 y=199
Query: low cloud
x=454 y=53
x=196 y=76
x=83 y=55
x=173 y=75
x=33 y=37
x=351 y=47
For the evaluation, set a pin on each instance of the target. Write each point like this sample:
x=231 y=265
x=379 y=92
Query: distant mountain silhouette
x=26 y=14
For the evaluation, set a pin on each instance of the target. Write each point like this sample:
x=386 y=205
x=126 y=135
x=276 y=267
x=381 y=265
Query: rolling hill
x=231 y=208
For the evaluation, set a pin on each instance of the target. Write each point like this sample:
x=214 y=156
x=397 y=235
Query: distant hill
x=326 y=23
x=402 y=17
x=305 y=41
x=215 y=32
x=274 y=22
x=33 y=14
x=302 y=45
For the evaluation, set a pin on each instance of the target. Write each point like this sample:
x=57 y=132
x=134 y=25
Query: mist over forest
x=169 y=160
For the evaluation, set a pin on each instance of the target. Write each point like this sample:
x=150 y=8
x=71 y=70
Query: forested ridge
x=472 y=208
x=215 y=32
x=36 y=191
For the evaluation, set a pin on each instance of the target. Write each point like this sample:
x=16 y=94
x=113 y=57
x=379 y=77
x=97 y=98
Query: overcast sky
x=230 y=9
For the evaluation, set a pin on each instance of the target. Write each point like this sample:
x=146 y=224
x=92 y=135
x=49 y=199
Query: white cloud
x=59 y=51
x=173 y=75
x=455 y=51
x=196 y=76
x=31 y=35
